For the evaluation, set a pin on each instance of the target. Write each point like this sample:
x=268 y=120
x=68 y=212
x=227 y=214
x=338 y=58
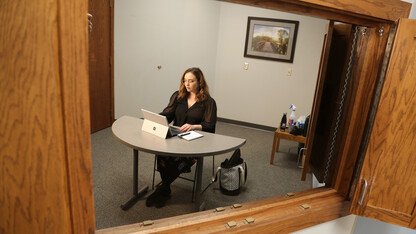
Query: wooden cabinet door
x=45 y=149
x=325 y=103
x=317 y=98
x=386 y=189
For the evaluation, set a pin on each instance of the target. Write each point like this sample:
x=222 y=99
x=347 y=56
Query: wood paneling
x=73 y=59
x=331 y=94
x=273 y=215
x=45 y=163
x=388 y=9
x=45 y=169
x=317 y=98
x=368 y=13
x=367 y=64
x=389 y=161
x=32 y=145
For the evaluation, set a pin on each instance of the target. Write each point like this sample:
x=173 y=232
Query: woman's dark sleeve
x=210 y=116
x=169 y=110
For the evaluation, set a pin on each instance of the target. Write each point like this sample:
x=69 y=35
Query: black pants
x=171 y=167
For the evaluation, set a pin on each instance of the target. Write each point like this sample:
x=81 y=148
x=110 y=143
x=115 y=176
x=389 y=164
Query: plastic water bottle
x=292 y=117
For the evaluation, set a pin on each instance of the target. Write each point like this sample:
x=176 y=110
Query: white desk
x=128 y=131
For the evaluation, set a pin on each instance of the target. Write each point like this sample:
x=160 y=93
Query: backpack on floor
x=232 y=174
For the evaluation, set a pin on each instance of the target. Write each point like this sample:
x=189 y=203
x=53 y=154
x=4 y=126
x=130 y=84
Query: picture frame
x=271 y=39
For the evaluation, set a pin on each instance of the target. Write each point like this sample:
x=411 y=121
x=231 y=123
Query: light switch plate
x=289 y=72
x=245 y=66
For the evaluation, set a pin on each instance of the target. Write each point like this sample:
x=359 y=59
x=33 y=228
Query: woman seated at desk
x=190 y=108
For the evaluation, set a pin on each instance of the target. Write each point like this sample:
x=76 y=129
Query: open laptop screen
x=160 y=120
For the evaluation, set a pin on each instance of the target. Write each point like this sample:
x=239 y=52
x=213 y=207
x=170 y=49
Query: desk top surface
x=128 y=131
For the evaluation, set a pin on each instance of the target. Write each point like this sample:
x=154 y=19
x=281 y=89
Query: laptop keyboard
x=174 y=130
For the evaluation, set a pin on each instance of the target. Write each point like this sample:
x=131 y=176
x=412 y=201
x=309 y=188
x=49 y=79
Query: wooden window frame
x=284 y=213
x=48 y=174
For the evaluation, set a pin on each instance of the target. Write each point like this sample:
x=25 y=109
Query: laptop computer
x=158 y=125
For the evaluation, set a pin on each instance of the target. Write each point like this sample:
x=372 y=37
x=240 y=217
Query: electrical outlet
x=289 y=72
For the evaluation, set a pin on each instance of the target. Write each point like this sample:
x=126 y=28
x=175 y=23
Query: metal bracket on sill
x=219 y=209
x=147 y=223
x=231 y=224
x=290 y=194
x=249 y=220
x=305 y=206
x=235 y=206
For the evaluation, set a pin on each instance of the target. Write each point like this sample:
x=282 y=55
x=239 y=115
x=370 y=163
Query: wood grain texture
x=330 y=102
x=73 y=57
x=389 y=216
x=390 y=10
x=287 y=136
x=45 y=171
x=112 y=59
x=412 y=223
x=368 y=62
x=317 y=99
x=45 y=151
x=389 y=162
x=270 y=217
x=341 y=49
x=360 y=12
x=34 y=192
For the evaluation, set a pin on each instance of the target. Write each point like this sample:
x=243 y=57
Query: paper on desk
x=191 y=136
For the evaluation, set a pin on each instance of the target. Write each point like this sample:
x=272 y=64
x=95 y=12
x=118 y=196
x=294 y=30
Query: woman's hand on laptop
x=190 y=127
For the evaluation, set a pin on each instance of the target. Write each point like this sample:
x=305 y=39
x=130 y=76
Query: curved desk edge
x=128 y=131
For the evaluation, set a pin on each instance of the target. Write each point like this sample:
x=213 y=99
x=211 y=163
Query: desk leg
x=276 y=142
x=199 y=169
x=136 y=194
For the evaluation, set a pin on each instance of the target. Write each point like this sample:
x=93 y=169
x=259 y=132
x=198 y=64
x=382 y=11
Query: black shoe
x=150 y=200
x=161 y=201
x=165 y=191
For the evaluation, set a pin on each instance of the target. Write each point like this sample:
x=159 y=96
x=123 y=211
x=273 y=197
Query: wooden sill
x=277 y=214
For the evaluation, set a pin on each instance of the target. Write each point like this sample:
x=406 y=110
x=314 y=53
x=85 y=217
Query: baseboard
x=247 y=124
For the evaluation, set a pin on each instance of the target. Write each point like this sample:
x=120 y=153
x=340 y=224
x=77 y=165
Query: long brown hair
x=203 y=92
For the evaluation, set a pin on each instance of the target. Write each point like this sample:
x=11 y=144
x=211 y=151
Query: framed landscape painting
x=272 y=39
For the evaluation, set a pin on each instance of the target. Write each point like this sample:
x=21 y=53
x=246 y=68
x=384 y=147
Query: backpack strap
x=241 y=169
x=215 y=176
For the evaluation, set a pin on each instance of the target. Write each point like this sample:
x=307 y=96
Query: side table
x=284 y=135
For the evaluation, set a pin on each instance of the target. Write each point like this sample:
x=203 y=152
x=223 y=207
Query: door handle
x=363 y=194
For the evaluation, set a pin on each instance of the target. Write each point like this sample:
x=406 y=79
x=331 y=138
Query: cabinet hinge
x=111 y=4
x=111 y=61
x=380 y=31
x=364 y=31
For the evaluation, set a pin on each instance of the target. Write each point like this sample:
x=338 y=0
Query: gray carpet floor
x=113 y=181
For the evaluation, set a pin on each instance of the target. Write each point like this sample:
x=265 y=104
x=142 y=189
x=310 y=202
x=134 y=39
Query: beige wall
x=175 y=34
x=263 y=92
x=138 y=83
x=210 y=35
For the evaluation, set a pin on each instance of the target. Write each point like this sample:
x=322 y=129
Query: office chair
x=184 y=178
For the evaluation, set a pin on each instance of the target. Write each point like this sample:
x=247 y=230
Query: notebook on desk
x=158 y=125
